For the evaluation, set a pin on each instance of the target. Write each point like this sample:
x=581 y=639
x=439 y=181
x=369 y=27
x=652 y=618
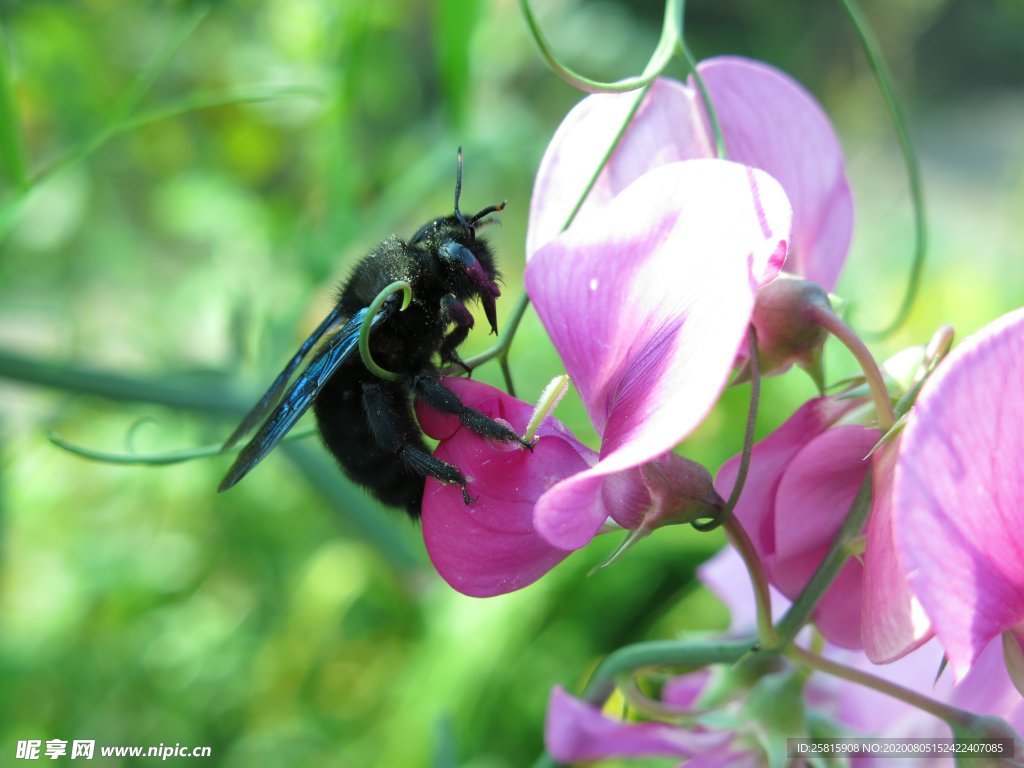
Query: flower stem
x=371 y=317
x=762 y=596
x=800 y=611
x=705 y=97
x=159 y=459
x=876 y=382
x=748 y=438
x=549 y=399
x=661 y=653
x=873 y=52
x=504 y=343
x=671 y=33
x=654 y=654
x=944 y=712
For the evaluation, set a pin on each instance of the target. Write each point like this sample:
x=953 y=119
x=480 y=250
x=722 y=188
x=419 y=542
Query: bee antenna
x=458 y=190
x=489 y=209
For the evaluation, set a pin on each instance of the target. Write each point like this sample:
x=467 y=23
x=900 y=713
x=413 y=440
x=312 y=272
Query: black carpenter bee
x=367 y=422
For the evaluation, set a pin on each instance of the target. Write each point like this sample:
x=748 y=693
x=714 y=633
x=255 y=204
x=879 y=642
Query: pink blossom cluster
x=647 y=295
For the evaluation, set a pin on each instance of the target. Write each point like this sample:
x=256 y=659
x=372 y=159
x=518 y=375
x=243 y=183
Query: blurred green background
x=184 y=185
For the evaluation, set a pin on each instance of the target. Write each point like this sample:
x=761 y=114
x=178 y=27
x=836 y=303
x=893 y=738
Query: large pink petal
x=647 y=302
x=666 y=128
x=575 y=732
x=893 y=622
x=490 y=546
x=770 y=122
x=769 y=459
x=959 y=484
x=813 y=497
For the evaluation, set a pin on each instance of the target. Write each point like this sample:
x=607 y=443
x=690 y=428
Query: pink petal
x=575 y=731
x=770 y=457
x=490 y=546
x=893 y=622
x=682 y=691
x=665 y=129
x=988 y=690
x=957 y=510
x=647 y=303
x=872 y=713
x=769 y=121
x=813 y=497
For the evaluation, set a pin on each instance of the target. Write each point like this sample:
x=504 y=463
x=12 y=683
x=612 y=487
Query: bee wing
x=299 y=397
x=273 y=395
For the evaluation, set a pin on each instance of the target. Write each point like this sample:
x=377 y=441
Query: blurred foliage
x=182 y=186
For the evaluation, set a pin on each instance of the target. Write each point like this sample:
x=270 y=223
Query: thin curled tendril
x=364 y=329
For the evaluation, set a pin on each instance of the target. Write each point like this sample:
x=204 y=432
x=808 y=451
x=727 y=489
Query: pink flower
x=723 y=730
x=768 y=122
x=490 y=547
x=576 y=731
x=802 y=480
x=648 y=295
x=958 y=494
x=647 y=300
x=986 y=691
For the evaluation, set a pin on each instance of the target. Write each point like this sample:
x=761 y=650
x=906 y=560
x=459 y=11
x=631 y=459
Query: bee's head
x=465 y=260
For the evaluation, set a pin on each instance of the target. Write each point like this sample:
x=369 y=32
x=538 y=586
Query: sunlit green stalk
x=838 y=553
x=548 y=401
x=12 y=148
x=671 y=33
x=876 y=61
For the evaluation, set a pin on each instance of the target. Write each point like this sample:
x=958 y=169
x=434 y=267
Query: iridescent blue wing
x=300 y=395
x=273 y=395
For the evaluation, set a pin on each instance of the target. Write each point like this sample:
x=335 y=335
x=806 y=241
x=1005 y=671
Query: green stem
x=504 y=344
x=876 y=61
x=158 y=459
x=655 y=654
x=204 y=395
x=661 y=653
x=371 y=314
x=363 y=518
x=748 y=438
x=950 y=715
x=705 y=97
x=671 y=33
x=831 y=322
x=12 y=148
x=762 y=594
x=838 y=553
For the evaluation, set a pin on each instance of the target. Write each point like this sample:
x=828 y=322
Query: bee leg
x=455 y=312
x=392 y=429
x=432 y=392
